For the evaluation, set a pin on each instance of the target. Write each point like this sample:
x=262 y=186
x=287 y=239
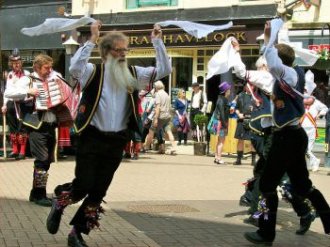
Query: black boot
x=256 y=238
x=239 y=158
x=38 y=192
x=305 y=223
x=76 y=240
x=322 y=208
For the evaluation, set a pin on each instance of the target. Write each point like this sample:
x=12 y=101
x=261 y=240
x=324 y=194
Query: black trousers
x=193 y=113
x=42 y=145
x=287 y=155
x=262 y=146
x=13 y=123
x=97 y=159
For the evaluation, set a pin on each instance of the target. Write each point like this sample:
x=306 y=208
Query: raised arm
x=275 y=64
x=260 y=78
x=163 y=67
x=79 y=66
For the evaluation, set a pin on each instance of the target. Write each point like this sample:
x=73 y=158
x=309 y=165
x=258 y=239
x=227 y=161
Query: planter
x=199 y=148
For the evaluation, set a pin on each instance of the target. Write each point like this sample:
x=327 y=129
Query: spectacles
x=120 y=50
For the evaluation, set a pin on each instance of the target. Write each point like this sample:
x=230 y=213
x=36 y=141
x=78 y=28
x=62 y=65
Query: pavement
x=156 y=201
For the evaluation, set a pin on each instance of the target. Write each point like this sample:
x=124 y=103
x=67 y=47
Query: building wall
x=81 y=7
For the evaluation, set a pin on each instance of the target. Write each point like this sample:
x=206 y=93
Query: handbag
x=147 y=123
x=212 y=126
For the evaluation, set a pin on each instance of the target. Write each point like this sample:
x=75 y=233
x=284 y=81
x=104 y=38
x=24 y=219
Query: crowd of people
x=123 y=108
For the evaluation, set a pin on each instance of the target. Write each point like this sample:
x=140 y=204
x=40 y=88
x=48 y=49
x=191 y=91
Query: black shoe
x=237 y=163
x=244 y=201
x=44 y=201
x=251 y=221
x=255 y=238
x=13 y=155
x=127 y=156
x=21 y=157
x=63 y=187
x=135 y=157
x=76 y=240
x=54 y=218
x=305 y=223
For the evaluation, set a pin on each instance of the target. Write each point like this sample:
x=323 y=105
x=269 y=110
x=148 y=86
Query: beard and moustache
x=120 y=75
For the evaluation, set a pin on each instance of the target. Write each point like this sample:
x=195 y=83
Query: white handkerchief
x=196 y=29
x=223 y=60
x=55 y=25
x=310 y=84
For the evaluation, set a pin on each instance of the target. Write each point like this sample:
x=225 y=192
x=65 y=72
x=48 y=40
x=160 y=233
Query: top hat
x=15 y=55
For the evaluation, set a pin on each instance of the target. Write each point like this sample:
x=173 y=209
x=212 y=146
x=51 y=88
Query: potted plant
x=201 y=121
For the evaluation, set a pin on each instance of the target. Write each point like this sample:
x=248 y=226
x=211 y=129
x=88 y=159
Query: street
x=157 y=201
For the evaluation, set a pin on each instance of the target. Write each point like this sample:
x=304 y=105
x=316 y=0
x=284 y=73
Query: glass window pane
x=200 y=67
x=200 y=52
x=200 y=60
x=209 y=53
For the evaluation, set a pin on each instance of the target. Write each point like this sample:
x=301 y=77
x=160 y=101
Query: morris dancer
x=107 y=110
x=289 y=144
x=41 y=124
x=18 y=133
x=261 y=123
x=313 y=110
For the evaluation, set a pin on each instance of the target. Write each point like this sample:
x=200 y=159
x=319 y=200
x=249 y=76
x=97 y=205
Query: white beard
x=121 y=77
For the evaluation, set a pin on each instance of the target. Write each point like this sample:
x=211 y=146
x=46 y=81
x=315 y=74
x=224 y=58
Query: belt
x=286 y=128
x=107 y=133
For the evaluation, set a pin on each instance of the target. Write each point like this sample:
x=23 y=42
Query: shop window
x=200 y=79
x=131 y=4
x=209 y=52
x=200 y=52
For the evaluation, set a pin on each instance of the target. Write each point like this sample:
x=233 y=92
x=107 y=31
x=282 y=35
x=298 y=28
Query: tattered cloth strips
x=196 y=29
x=223 y=60
x=55 y=25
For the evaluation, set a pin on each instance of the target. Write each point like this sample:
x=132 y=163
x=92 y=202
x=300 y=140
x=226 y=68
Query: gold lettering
x=230 y=34
x=188 y=37
x=179 y=39
x=218 y=37
x=145 y=40
x=134 y=40
x=240 y=36
x=207 y=39
x=168 y=38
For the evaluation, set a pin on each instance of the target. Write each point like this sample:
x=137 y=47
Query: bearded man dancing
x=18 y=133
x=108 y=108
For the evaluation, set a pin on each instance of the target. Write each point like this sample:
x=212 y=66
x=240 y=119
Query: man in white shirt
x=198 y=105
x=18 y=134
x=107 y=109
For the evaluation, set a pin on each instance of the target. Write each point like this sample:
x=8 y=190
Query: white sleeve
x=80 y=69
x=321 y=108
x=278 y=69
x=261 y=79
x=162 y=69
x=19 y=90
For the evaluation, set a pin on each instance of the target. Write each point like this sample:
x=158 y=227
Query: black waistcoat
x=91 y=97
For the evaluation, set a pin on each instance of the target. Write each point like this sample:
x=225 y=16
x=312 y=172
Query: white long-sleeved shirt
x=112 y=113
x=196 y=101
x=11 y=81
x=20 y=92
x=315 y=110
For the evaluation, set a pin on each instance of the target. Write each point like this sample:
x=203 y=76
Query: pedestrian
x=41 y=122
x=218 y=124
x=198 y=105
x=107 y=109
x=313 y=110
x=289 y=143
x=242 y=133
x=180 y=120
x=162 y=119
x=18 y=132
